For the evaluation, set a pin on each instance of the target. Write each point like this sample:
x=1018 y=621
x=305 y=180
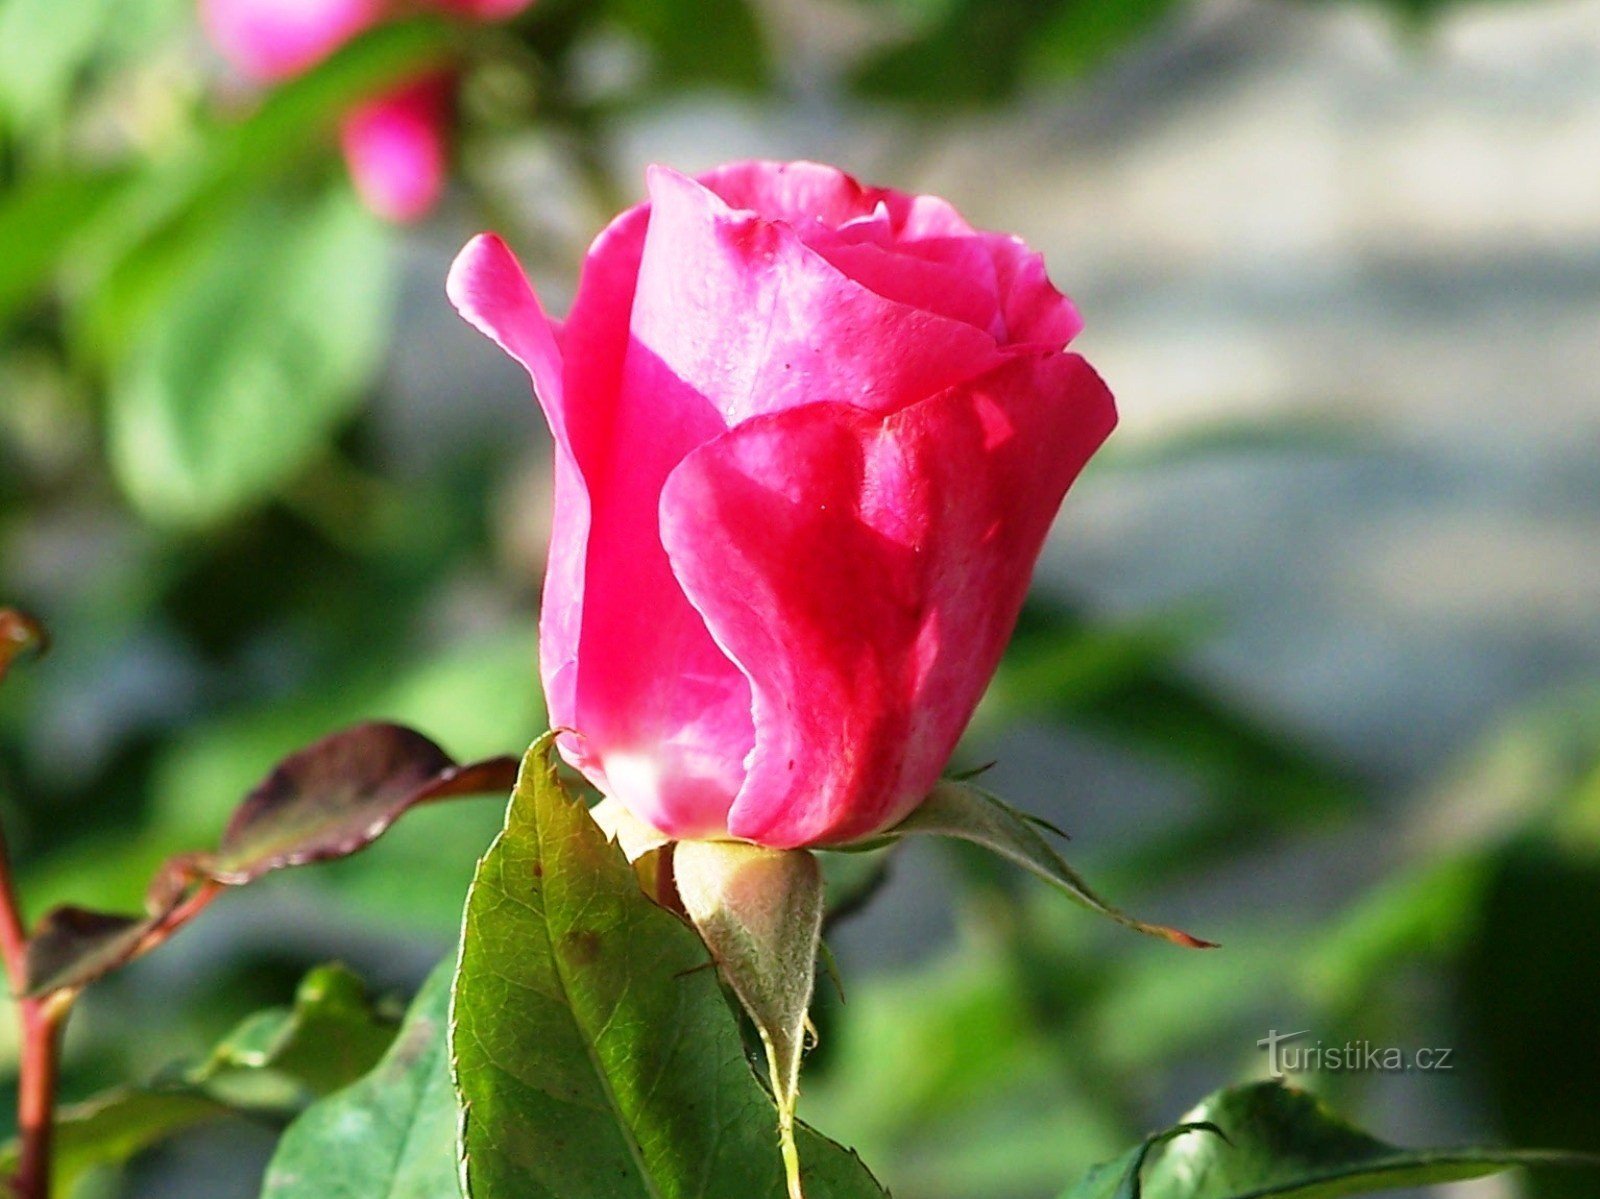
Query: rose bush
x=810 y=437
x=396 y=144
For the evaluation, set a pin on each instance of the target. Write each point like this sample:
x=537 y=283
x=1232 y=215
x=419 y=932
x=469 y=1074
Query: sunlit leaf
x=38 y=221
x=594 y=1051
x=1124 y=1177
x=159 y=231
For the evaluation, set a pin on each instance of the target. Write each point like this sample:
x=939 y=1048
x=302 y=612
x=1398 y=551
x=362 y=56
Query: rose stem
x=40 y=1020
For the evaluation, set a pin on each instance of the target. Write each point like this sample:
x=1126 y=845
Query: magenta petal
x=488 y=287
x=738 y=310
x=273 y=39
x=396 y=147
x=1034 y=312
x=866 y=571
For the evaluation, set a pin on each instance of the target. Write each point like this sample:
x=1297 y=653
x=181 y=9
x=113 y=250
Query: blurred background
x=1313 y=663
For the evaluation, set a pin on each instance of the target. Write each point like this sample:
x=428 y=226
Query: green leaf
x=968 y=813
x=332 y=1035
x=156 y=235
x=1281 y=1143
x=716 y=42
x=594 y=1051
x=275 y=1061
x=1528 y=989
x=44 y=45
x=982 y=51
x=1126 y=1173
x=391 y=1135
x=38 y=221
x=254 y=362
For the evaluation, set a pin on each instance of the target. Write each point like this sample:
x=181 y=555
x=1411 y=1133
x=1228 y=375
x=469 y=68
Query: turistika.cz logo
x=1351 y=1057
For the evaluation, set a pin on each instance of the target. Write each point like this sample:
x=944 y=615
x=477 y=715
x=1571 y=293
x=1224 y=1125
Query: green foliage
x=390 y=1136
x=594 y=1052
x=693 y=43
x=254 y=360
x=967 y=813
x=983 y=51
x=274 y=1062
x=1270 y=1141
x=1525 y=989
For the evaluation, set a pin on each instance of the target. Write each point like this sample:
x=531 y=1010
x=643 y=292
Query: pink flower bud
x=810 y=437
x=397 y=145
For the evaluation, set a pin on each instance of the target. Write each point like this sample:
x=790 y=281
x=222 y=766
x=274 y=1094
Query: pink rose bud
x=810 y=437
x=396 y=145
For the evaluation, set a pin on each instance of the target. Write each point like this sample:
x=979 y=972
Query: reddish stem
x=40 y=1020
x=36 y=1099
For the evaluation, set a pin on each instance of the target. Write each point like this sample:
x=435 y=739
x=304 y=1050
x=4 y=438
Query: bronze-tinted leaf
x=73 y=946
x=326 y=801
x=336 y=796
x=19 y=633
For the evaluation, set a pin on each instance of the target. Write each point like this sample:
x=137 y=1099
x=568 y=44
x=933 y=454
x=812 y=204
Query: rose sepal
x=958 y=809
x=759 y=911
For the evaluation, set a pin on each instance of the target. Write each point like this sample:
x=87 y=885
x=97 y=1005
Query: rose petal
x=274 y=39
x=732 y=315
x=737 y=309
x=1034 y=312
x=866 y=571
x=489 y=288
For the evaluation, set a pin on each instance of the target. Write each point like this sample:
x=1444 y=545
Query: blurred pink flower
x=810 y=437
x=396 y=144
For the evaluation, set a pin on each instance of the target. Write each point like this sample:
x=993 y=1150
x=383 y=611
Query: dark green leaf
x=982 y=51
x=390 y=1136
x=1284 y=1142
x=716 y=42
x=594 y=1051
x=1529 y=987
